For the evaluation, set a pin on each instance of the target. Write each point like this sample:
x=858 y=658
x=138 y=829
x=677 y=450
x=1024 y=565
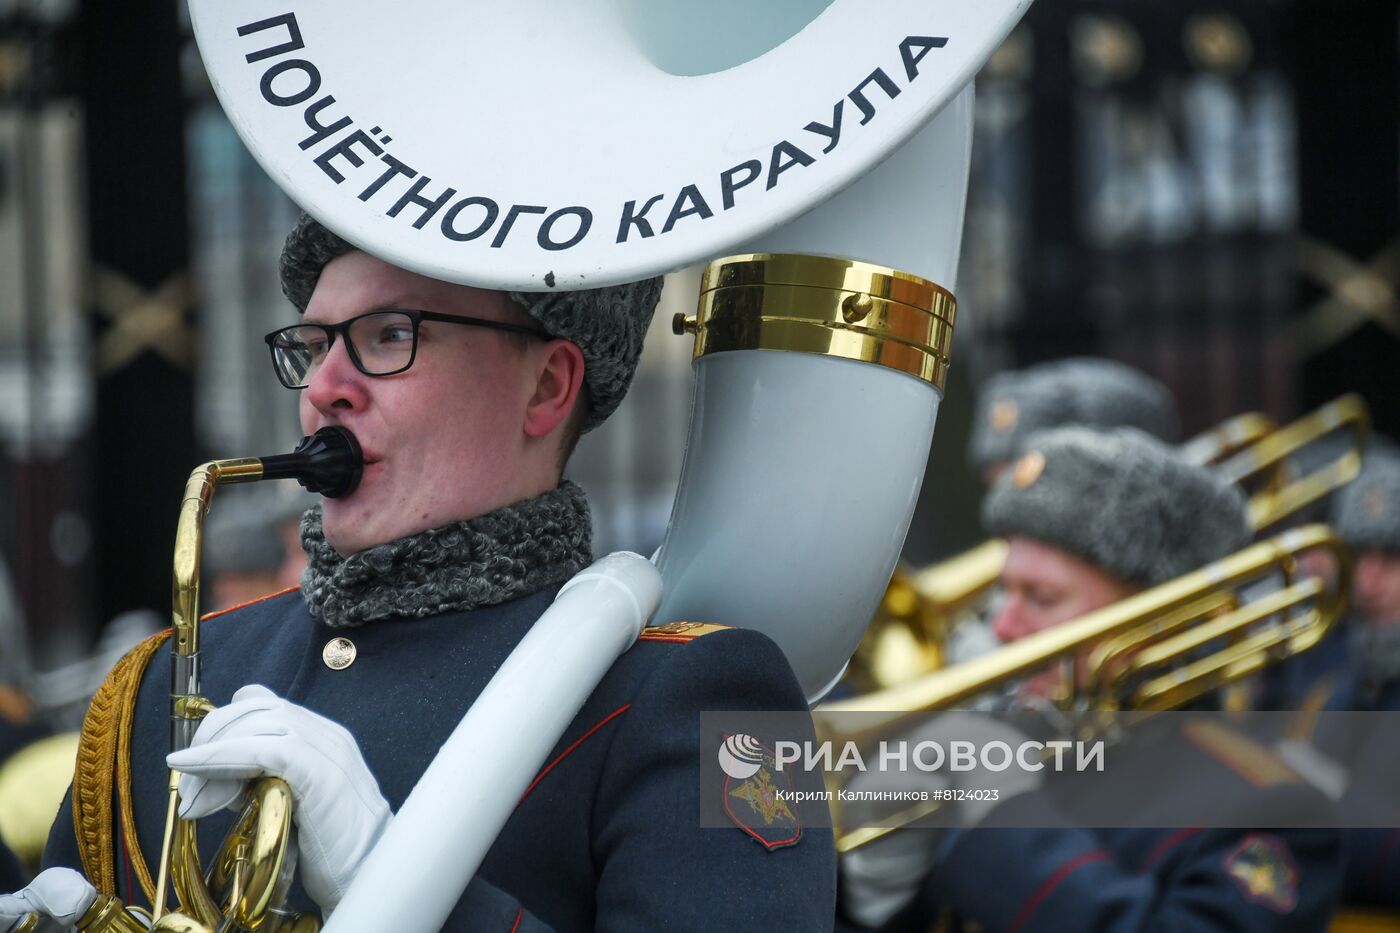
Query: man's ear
x=557 y=386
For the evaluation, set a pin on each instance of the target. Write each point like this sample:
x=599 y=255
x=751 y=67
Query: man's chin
x=342 y=533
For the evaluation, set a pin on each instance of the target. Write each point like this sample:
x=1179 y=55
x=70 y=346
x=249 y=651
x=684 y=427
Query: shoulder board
x=679 y=632
x=252 y=602
x=1249 y=759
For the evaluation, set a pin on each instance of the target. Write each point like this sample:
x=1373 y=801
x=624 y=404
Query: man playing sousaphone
x=466 y=403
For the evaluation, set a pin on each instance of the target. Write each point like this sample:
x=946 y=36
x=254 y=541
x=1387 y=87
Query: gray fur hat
x=1366 y=512
x=1121 y=500
x=608 y=324
x=243 y=531
x=1080 y=390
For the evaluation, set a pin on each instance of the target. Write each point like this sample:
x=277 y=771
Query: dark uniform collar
x=512 y=552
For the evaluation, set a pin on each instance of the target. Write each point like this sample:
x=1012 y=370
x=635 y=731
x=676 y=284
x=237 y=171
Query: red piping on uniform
x=1083 y=858
x=518 y=914
x=1161 y=848
x=579 y=741
x=673 y=639
x=251 y=602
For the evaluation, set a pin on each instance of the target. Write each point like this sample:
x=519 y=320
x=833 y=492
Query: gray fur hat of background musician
x=1081 y=390
x=1121 y=500
x=1366 y=513
x=608 y=323
x=244 y=532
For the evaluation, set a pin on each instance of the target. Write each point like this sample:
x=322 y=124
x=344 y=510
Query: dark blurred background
x=1207 y=191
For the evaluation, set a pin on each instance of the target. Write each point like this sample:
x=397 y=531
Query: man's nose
x=1009 y=623
x=1369 y=571
x=337 y=386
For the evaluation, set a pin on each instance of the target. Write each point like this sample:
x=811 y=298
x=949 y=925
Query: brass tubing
x=1245 y=447
x=1227 y=438
x=1199 y=636
x=187 y=706
x=194 y=506
x=894 y=707
x=1107 y=661
x=172 y=805
x=187 y=875
x=1228 y=665
x=329 y=462
x=1201 y=591
x=108 y=915
x=955 y=583
x=1283 y=497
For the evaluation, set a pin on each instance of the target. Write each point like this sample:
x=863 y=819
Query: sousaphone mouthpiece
x=328 y=462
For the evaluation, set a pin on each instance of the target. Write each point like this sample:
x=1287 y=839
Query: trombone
x=922 y=608
x=1157 y=650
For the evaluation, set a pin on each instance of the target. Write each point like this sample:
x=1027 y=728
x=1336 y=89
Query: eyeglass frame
x=417 y=316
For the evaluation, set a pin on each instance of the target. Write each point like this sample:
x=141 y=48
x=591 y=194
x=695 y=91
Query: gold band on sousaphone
x=826 y=306
x=1157 y=650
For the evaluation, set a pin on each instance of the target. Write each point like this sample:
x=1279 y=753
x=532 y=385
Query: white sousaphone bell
x=822 y=148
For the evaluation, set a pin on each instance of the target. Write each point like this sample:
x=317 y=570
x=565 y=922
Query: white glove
x=880 y=878
x=59 y=896
x=338 y=809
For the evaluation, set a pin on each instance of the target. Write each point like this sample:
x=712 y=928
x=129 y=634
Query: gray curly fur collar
x=520 y=549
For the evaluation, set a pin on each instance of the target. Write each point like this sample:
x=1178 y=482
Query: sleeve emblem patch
x=1263 y=869
x=757 y=805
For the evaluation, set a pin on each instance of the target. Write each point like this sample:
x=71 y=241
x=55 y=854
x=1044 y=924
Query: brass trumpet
x=922 y=608
x=1157 y=650
x=249 y=877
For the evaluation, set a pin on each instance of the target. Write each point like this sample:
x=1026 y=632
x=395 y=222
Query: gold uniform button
x=339 y=653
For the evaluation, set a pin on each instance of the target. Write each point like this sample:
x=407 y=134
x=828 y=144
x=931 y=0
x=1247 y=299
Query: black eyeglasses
x=380 y=343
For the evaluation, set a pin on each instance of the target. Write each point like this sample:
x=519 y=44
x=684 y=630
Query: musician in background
x=1366 y=516
x=1308 y=682
x=1099 y=393
x=1013 y=405
x=1364 y=676
x=466 y=403
x=1092 y=517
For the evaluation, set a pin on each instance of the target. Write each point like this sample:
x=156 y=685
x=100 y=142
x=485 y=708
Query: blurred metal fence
x=1142 y=172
